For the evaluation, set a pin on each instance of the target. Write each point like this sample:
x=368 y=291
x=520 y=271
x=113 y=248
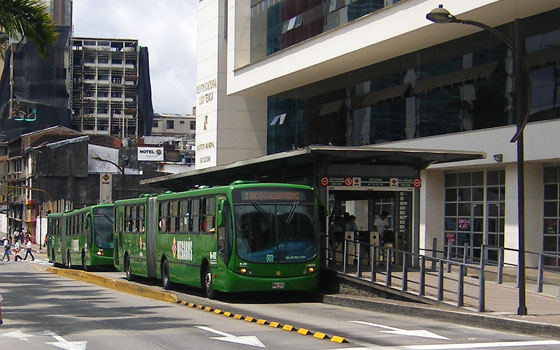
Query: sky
x=166 y=27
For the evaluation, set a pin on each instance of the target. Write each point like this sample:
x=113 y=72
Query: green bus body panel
x=63 y=244
x=133 y=245
x=188 y=253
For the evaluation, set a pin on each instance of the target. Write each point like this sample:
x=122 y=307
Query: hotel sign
x=150 y=154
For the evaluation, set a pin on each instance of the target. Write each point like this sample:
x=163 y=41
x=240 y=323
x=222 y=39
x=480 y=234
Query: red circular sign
x=348 y=181
x=417 y=183
x=324 y=181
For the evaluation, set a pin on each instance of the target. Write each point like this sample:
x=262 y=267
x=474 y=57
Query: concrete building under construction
x=104 y=86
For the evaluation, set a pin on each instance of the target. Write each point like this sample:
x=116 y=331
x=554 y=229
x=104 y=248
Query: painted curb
x=115 y=284
x=125 y=286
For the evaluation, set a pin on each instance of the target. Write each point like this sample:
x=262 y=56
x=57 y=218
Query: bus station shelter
x=363 y=181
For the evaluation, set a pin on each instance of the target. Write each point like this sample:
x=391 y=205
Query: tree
x=27 y=18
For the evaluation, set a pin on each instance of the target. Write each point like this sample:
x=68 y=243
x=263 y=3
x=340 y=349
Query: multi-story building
x=280 y=75
x=104 y=86
x=176 y=132
x=172 y=124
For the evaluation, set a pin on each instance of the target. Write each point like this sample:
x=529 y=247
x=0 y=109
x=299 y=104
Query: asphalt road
x=46 y=311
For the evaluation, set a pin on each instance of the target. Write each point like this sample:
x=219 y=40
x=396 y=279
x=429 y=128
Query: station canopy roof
x=270 y=165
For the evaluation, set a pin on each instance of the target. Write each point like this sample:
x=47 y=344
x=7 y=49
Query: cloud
x=166 y=27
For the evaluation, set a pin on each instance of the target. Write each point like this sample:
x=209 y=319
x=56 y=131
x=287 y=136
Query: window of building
x=170 y=124
x=155 y=124
x=279 y=24
x=193 y=125
x=466 y=197
x=551 y=237
x=103 y=60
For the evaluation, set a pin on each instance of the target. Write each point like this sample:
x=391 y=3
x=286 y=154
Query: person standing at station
x=29 y=249
x=381 y=225
x=351 y=224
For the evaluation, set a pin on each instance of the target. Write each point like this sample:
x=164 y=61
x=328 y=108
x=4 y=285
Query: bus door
x=118 y=231
x=63 y=232
x=225 y=233
x=89 y=229
x=150 y=229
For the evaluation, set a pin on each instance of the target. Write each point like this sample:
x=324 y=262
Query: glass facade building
x=457 y=86
x=279 y=24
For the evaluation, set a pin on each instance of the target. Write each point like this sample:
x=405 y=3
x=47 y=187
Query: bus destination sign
x=276 y=195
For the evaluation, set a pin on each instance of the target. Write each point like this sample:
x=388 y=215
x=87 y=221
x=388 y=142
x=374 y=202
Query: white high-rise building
x=276 y=75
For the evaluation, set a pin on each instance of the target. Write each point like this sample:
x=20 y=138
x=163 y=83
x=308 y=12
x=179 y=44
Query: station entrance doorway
x=364 y=208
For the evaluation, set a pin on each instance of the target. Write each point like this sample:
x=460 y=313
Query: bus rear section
x=133 y=236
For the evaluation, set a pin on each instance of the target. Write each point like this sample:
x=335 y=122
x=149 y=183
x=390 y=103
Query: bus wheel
x=210 y=292
x=165 y=275
x=129 y=276
x=68 y=260
x=84 y=262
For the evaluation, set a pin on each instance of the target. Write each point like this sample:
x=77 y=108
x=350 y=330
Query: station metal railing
x=453 y=275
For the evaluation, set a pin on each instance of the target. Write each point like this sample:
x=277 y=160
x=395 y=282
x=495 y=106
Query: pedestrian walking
x=7 y=246
x=28 y=251
x=16 y=250
x=17 y=235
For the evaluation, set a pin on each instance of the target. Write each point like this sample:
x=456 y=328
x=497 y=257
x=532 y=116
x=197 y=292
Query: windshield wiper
x=292 y=212
x=260 y=210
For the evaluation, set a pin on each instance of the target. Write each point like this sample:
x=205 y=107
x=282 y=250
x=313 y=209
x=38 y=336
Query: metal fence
x=456 y=277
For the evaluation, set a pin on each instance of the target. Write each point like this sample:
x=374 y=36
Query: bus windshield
x=275 y=233
x=103 y=233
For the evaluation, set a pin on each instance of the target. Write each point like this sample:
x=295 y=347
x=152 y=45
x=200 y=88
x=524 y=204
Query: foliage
x=28 y=18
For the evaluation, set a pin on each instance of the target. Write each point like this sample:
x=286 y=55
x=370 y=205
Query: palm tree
x=27 y=18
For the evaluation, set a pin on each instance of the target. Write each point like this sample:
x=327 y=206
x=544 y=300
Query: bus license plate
x=278 y=285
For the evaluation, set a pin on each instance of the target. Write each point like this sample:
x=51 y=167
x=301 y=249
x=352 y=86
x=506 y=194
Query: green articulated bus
x=241 y=237
x=81 y=237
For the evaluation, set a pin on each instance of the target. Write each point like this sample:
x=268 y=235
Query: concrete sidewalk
x=501 y=303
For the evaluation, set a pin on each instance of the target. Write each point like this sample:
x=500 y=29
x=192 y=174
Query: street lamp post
x=522 y=80
x=121 y=169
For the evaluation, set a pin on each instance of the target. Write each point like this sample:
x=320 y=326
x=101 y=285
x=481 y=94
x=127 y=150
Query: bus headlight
x=245 y=271
x=309 y=270
x=99 y=252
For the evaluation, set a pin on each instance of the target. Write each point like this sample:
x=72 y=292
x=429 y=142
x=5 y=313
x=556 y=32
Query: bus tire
x=84 y=262
x=68 y=260
x=165 y=275
x=129 y=276
x=207 y=283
